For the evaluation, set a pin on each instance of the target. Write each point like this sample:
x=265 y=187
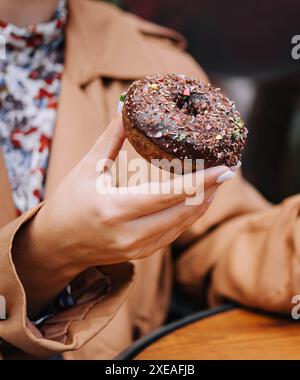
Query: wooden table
x=235 y=333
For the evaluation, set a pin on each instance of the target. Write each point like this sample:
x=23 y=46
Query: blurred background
x=245 y=48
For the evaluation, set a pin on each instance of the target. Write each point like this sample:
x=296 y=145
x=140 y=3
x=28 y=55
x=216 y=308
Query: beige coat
x=248 y=248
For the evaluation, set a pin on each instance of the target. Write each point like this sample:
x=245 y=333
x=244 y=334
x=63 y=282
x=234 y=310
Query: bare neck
x=26 y=12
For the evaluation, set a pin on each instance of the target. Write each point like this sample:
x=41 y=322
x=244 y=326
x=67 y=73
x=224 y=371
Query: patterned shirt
x=29 y=89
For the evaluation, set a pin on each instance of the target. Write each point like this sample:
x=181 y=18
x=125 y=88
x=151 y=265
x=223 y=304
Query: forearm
x=109 y=286
x=39 y=266
x=251 y=258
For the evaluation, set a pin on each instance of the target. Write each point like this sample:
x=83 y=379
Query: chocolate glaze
x=187 y=118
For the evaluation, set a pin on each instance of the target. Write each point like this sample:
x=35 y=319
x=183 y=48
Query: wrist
x=42 y=270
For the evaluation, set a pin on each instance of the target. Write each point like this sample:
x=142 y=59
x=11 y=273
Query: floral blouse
x=29 y=88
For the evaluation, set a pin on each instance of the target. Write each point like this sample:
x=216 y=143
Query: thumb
x=110 y=142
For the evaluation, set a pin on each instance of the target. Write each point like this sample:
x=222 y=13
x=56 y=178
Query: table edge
x=142 y=343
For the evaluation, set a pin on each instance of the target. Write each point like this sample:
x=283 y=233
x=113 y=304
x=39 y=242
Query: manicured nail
x=120 y=107
x=215 y=171
x=225 y=176
x=121 y=102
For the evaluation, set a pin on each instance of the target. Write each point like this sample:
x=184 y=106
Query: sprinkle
x=238 y=122
x=219 y=137
x=154 y=86
x=235 y=135
x=158 y=135
x=186 y=92
x=181 y=136
x=123 y=97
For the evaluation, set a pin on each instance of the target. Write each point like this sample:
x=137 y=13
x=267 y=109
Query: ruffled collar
x=35 y=36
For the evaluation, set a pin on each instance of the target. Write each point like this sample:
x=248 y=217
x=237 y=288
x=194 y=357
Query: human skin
x=77 y=227
x=26 y=12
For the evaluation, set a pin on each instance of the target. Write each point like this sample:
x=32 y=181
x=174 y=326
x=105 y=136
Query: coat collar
x=102 y=41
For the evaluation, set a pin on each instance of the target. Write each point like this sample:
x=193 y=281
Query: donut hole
x=192 y=105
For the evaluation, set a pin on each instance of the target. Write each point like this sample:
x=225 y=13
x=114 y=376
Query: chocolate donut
x=174 y=116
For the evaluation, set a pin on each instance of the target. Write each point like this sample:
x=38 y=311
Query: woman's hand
x=78 y=228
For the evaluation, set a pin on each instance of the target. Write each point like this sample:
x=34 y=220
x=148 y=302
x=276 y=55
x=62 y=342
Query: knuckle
x=105 y=217
x=107 y=214
x=182 y=216
x=133 y=254
x=127 y=243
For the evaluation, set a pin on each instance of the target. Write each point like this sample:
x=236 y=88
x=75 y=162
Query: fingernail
x=215 y=171
x=121 y=102
x=120 y=107
x=225 y=176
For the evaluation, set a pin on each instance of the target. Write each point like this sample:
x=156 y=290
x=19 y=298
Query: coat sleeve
x=244 y=249
x=102 y=292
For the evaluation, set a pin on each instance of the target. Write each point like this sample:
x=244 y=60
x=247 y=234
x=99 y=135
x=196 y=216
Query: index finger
x=110 y=142
x=133 y=202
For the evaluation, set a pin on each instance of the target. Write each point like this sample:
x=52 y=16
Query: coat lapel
x=78 y=126
x=104 y=42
